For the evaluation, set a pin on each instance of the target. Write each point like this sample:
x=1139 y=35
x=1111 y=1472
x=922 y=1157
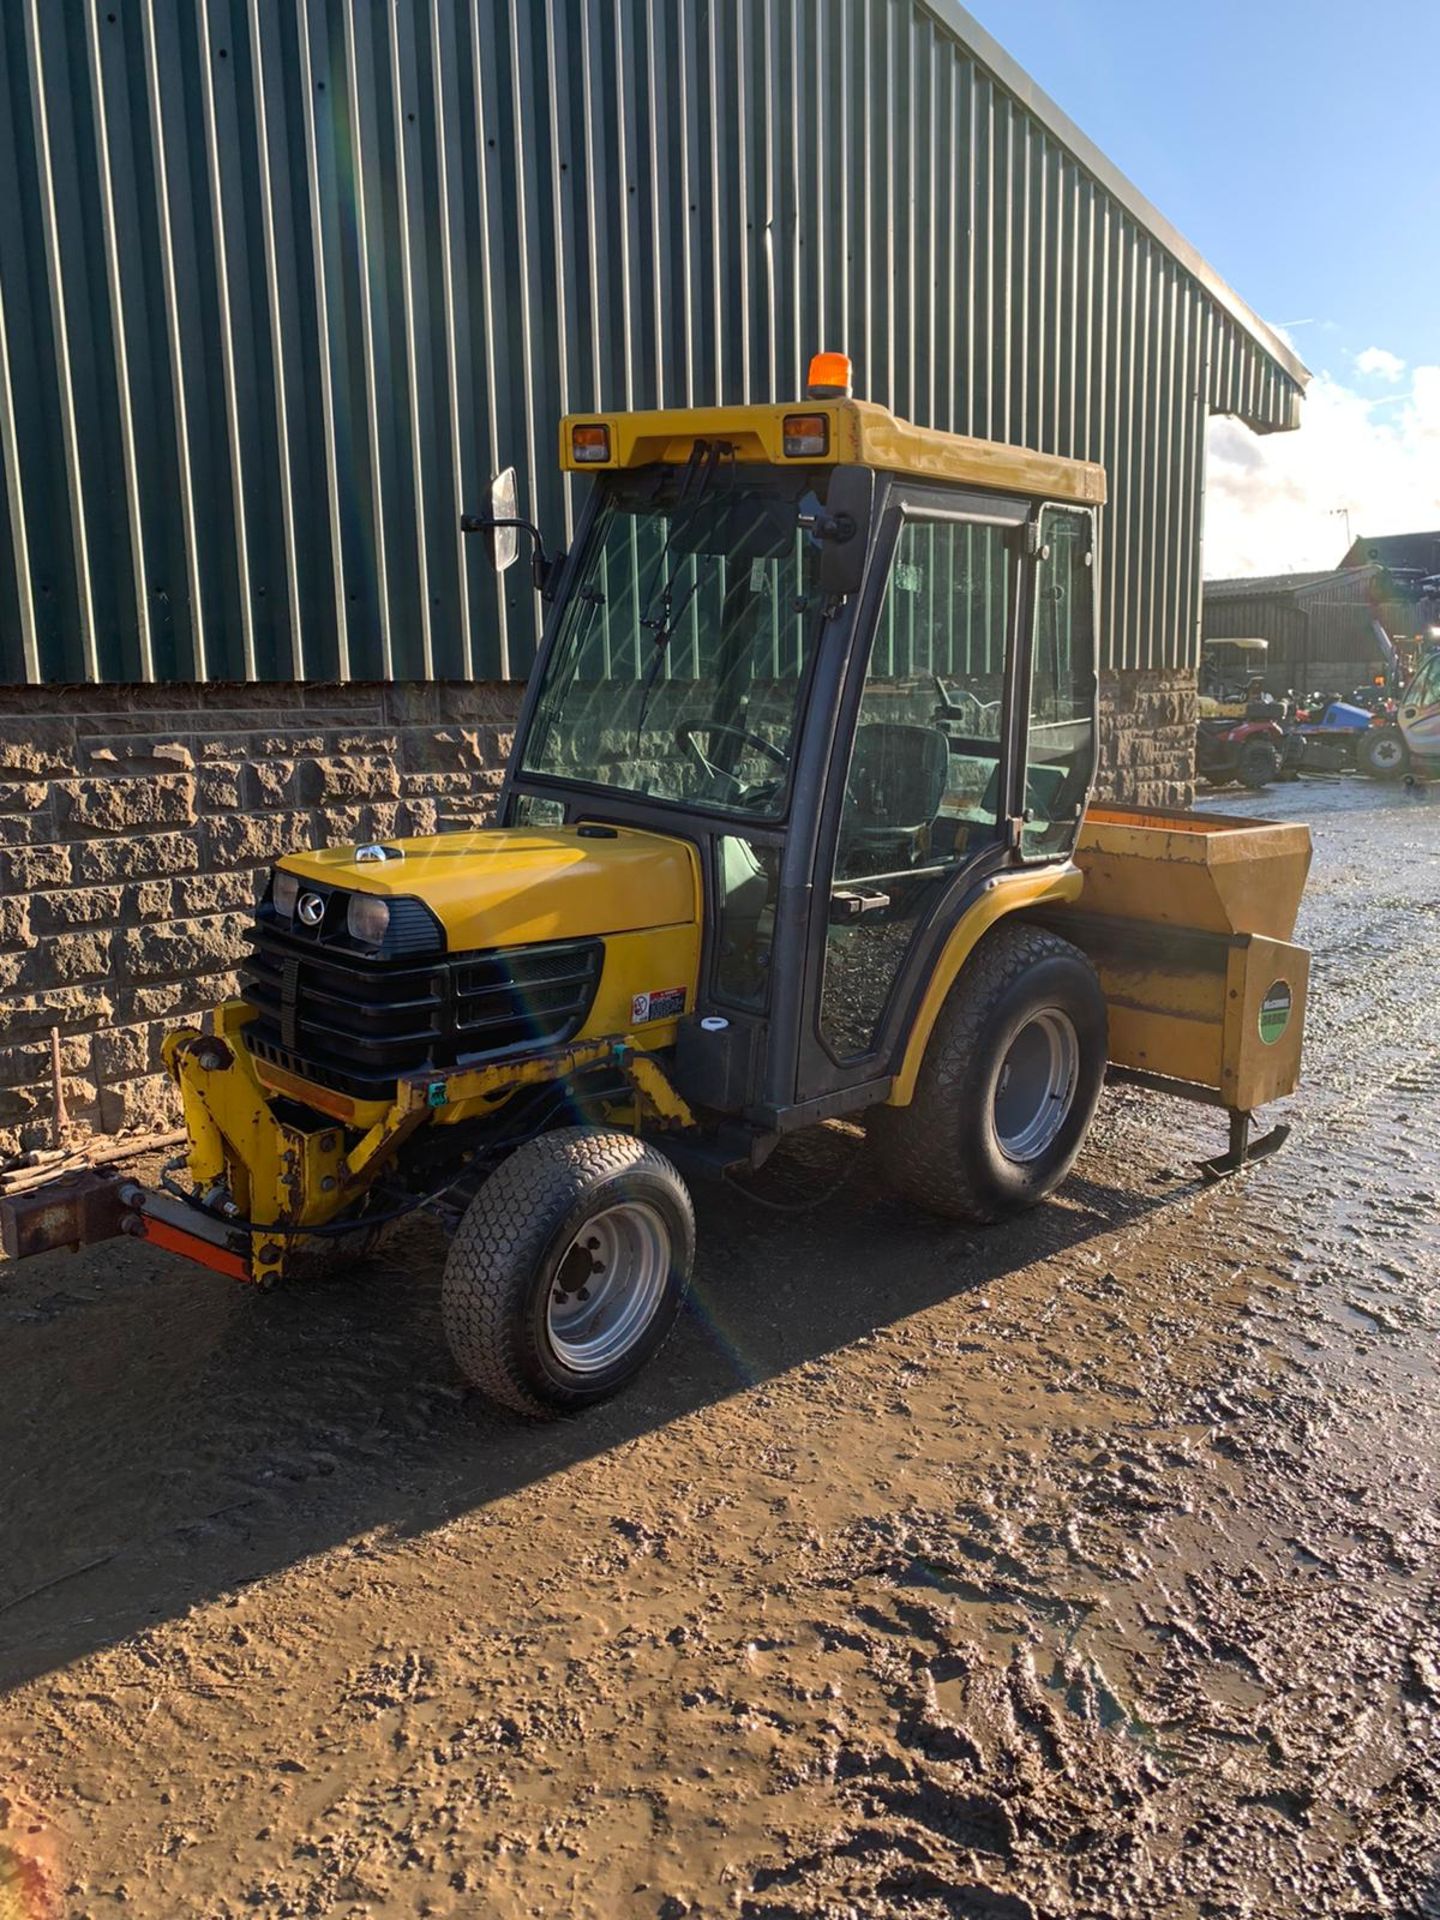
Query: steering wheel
x=686 y=736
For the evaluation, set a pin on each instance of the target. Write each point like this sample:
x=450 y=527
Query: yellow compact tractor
x=795 y=827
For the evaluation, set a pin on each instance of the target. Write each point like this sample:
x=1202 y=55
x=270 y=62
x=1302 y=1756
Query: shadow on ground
x=172 y=1436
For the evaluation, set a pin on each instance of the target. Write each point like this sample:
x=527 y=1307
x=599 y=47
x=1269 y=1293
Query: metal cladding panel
x=283 y=281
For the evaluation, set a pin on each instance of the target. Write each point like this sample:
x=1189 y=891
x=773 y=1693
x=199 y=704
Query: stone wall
x=1147 y=738
x=137 y=823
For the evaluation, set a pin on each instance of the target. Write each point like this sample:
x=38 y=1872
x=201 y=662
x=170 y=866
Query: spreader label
x=1274 y=1013
x=668 y=1004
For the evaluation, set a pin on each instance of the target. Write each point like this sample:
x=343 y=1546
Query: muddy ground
x=1081 y=1567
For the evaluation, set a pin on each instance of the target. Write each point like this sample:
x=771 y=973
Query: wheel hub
x=608 y=1286
x=1035 y=1088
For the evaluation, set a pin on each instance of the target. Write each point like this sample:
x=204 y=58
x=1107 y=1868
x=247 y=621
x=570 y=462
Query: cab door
x=921 y=797
x=1419 y=714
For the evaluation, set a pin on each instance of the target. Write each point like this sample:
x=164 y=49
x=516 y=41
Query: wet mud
x=1085 y=1566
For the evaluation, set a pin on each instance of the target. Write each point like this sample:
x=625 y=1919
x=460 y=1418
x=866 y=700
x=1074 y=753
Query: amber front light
x=806 y=436
x=590 y=443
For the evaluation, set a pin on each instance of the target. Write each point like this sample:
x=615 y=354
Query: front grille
x=355 y=1023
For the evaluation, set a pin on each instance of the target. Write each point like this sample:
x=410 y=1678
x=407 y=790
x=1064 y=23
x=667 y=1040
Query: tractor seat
x=898 y=775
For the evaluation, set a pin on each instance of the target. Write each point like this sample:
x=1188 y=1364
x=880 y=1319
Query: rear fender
x=1003 y=895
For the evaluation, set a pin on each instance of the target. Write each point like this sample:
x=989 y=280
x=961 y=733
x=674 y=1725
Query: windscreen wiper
x=695 y=482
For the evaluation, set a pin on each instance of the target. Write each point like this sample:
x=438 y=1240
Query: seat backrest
x=898 y=775
x=1042 y=788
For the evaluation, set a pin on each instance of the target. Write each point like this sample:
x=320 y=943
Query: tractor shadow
x=170 y=1437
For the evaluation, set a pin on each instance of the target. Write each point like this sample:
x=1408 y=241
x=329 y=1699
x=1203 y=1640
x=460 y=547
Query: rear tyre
x=568 y=1269
x=1258 y=764
x=1383 y=753
x=1008 y=1085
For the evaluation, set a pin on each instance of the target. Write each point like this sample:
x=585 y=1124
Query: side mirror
x=844 y=531
x=502 y=539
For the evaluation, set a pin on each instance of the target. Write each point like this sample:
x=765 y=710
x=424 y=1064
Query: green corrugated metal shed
x=281 y=285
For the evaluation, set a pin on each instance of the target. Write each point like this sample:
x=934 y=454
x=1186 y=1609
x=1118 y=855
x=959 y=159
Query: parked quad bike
x=1252 y=752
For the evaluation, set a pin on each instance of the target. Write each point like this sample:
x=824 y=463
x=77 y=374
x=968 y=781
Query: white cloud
x=1272 y=502
x=1380 y=363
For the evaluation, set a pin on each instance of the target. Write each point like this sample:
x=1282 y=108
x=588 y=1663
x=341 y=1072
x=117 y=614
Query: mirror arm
x=542 y=566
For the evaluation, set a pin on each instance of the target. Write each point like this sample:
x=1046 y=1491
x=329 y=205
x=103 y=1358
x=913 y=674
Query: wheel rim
x=1385 y=753
x=607 y=1287
x=1036 y=1085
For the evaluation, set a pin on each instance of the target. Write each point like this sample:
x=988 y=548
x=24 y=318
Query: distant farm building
x=1330 y=630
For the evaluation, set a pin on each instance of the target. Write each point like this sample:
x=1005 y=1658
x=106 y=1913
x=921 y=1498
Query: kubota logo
x=311 y=909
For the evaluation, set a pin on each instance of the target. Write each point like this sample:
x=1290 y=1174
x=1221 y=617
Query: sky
x=1296 y=145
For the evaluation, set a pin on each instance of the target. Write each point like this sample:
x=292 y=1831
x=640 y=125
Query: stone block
x=345 y=826
x=236 y=891
x=23 y=796
x=272 y=783
x=250 y=839
x=121 y=805
x=25 y=829
x=69 y=957
x=136 y=858
x=32 y=746
x=76 y=907
x=374 y=744
x=282 y=746
x=19 y=1105
x=122 y=1052
x=23 y=1063
x=177 y=1001
x=486 y=701
x=330 y=778
x=142 y=1105
x=134 y=753
x=64 y=1007
x=181 y=949
x=15 y=922
x=217 y=787
x=417 y=817
x=27 y=868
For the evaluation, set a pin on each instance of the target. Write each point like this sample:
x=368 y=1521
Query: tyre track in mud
x=1090 y=1571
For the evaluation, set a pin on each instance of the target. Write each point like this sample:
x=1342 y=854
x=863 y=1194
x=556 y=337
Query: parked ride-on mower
x=789 y=832
x=1239 y=735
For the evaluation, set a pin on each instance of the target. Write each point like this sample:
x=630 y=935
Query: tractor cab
x=850 y=663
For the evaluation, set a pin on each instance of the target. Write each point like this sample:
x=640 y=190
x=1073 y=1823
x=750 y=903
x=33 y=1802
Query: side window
x=922 y=794
x=1060 y=761
x=1424 y=689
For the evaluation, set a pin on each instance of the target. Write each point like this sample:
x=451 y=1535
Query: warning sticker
x=665 y=1005
x=1274 y=1013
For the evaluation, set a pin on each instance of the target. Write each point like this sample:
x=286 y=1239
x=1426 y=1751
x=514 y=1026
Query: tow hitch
x=81 y=1209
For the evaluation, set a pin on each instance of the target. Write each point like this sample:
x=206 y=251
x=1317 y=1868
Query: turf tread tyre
x=530 y=1206
x=923 y=1149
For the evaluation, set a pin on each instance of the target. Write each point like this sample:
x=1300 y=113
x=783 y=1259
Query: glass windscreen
x=677 y=669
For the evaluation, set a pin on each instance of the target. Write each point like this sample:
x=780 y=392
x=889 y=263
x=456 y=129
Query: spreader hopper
x=1188 y=918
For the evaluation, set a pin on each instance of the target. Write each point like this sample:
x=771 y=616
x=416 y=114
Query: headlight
x=368 y=918
x=284 y=890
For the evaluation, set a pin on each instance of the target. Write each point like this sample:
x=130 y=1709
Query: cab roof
x=858 y=433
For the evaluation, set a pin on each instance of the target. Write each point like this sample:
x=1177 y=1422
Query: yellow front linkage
x=284 y=1177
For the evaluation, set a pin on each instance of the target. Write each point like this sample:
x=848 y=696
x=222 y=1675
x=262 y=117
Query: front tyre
x=1383 y=753
x=1008 y=1085
x=568 y=1270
